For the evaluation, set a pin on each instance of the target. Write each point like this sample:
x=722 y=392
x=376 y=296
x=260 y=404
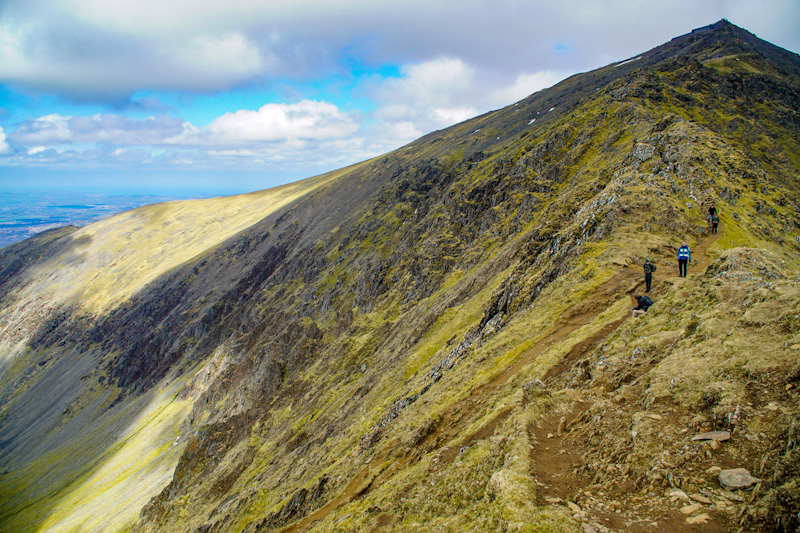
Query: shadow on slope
x=95 y=380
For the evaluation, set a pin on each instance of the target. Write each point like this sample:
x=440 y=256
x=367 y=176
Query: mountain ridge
x=377 y=306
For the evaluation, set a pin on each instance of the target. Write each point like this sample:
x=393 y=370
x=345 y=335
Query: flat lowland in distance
x=25 y=213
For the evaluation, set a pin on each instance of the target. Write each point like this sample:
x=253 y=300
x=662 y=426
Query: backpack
x=645 y=302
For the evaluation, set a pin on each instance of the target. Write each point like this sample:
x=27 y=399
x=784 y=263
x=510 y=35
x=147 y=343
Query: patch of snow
x=628 y=61
x=551 y=108
x=531 y=122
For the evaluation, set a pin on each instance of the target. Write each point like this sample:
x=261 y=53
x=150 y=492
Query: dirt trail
x=463 y=412
x=614 y=507
x=557 y=459
x=698 y=265
x=574 y=317
x=702 y=251
x=358 y=485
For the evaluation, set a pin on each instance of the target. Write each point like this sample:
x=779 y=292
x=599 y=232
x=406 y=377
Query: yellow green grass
x=112 y=488
x=110 y=260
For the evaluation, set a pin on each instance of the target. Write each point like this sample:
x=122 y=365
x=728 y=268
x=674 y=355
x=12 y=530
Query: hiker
x=644 y=304
x=714 y=223
x=649 y=268
x=684 y=256
x=712 y=212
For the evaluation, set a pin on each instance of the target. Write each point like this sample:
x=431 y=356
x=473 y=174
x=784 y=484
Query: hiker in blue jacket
x=684 y=256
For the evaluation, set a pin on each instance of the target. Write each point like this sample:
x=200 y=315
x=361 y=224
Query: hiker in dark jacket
x=644 y=304
x=684 y=256
x=649 y=268
x=714 y=222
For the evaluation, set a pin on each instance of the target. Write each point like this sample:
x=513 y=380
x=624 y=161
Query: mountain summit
x=439 y=339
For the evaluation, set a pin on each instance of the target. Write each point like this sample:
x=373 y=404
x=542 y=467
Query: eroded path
x=559 y=444
x=556 y=471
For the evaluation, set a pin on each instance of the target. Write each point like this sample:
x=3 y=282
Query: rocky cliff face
x=438 y=339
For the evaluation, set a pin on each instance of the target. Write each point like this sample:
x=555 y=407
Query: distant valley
x=24 y=214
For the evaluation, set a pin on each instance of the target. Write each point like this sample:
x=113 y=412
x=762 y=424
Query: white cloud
x=306 y=134
x=446 y=91
x=5 y=148
x=292 y=125
x=433 y=82
x=453 y=115
x=402 y=131
x=55 y=129
x=157 y=18
x=525 y=85
x=11 y=52
x=48 y=129
x=272 y=122
x=56 y=50
x=98 y=48
x=428 y=95
x=230 y=54
x=392 y=111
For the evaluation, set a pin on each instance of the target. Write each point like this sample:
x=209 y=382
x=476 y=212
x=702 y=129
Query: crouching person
x=644 y=303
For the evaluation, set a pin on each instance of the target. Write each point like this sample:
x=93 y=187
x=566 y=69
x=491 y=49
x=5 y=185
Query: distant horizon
x=176 y=191
x=139 y=190
x=23 y=214
x=142 y=184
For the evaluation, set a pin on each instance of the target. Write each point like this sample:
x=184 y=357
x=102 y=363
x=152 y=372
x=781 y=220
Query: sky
x=211 y=97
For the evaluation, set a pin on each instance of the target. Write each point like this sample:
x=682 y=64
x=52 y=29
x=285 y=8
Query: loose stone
x=737 y=478
x=700 y=498
x=689 y=509
x=699 y=519
x=677 y=494
x=713 y=435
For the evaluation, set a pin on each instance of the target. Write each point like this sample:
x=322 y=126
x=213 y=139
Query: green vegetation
x=438 y=339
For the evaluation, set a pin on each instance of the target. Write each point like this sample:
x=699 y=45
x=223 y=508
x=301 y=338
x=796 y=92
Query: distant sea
x=23 y=214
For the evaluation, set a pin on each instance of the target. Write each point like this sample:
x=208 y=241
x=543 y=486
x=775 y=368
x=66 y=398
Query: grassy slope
x=107 y=463
x=407 y=485
x=616 y=179
x=474 y=492
x=114 y=258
